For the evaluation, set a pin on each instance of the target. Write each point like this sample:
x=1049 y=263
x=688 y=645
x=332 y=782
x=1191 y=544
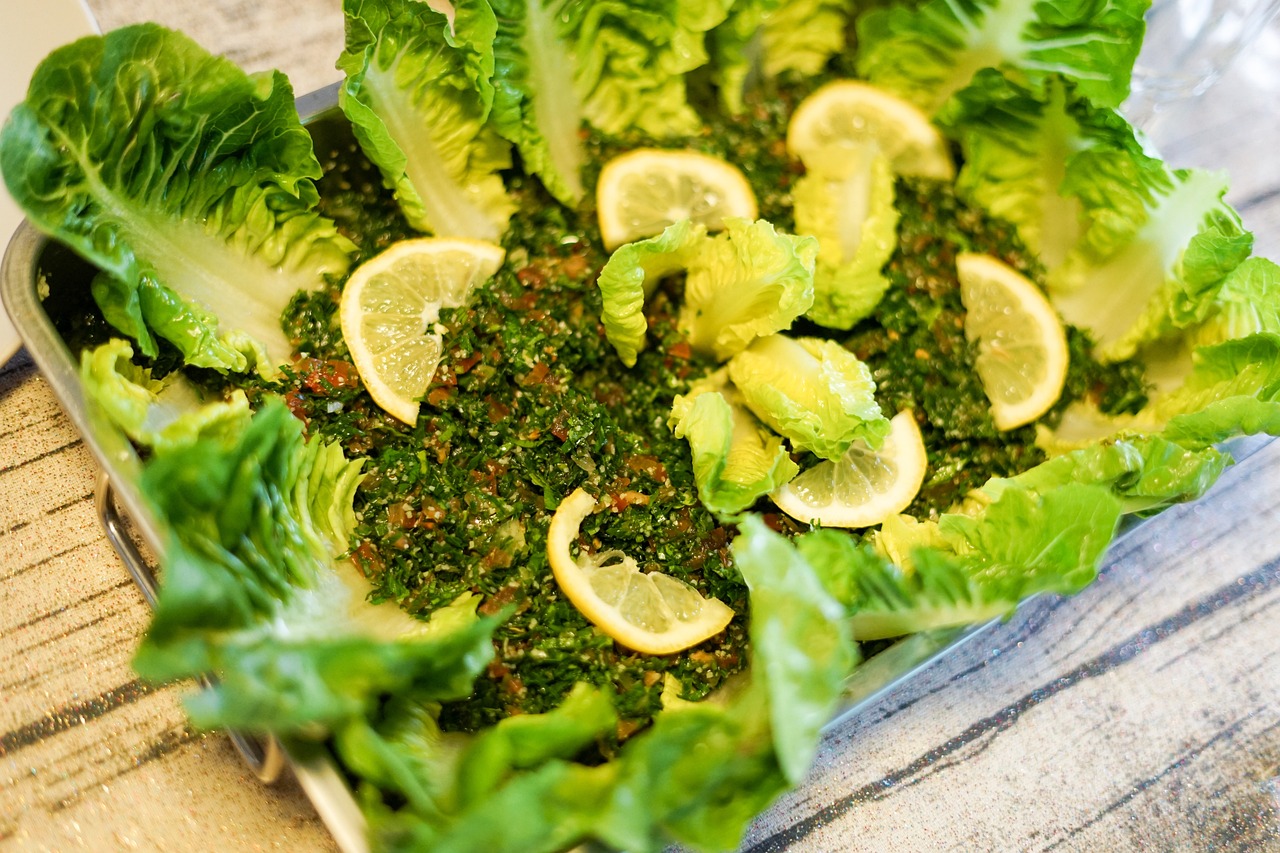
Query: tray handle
x=263 y=756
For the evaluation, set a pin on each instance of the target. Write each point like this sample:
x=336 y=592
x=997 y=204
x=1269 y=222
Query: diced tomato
x=462 y=365
x=574 y=266
x=523 y=302
x=681 y=350
x=297 y=405
x=367 y=560
x=324 y=377
x=536 y=375
x=498 y=410
x=531 y=276
x=648 y=464
x=560 y=426
x=498 y=600
x=622 y=500
x=626 y=728
x=439 y=396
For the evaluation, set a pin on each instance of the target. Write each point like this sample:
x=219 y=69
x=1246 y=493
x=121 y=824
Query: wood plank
x=1141 y=712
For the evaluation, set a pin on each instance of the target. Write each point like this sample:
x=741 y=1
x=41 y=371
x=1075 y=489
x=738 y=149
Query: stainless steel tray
x=31 y=260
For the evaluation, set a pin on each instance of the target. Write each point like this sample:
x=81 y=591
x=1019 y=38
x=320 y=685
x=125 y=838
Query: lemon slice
x=1022 y=347
x=847 y=114
x=390 y=306
x=643 y=191
x=652 y=613
x=863 y=487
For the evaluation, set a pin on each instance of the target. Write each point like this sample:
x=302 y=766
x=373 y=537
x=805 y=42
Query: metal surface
x=30 y=263
x=263 y=756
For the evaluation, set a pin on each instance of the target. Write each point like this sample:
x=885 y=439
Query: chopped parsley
x=530 y=402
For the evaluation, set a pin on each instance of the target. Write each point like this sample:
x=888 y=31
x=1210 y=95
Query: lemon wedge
x=389 y=308
x=643 y=191
x=864 y=486
x=847 y=114
x=1022 y=347
x=652 y=613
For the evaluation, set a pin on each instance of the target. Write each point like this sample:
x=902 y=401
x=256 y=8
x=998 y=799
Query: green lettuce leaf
x=1232 y=389
x=736 y=460
x=457 y=786
x=1056 y=165
x=706 y=769
x=1146 y=472
x=252 y=591
x=745 y=282
x=761 y=39
x=1020 y=544
x=617 y=66
x=630 y=277
x=814 y=392
x=418 y=92
x=1136 y=252
x=1247 y=302
x=160 y=415
x=928 y=53
x=525 y=742
x=1165 y=276
x=852 y=215
x=787 y=601
x=186 y=181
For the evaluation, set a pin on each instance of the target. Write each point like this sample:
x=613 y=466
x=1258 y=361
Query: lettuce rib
x=418 y=93
x=186 y=181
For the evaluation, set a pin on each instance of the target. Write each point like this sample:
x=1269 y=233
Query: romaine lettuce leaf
x=1247 y=302
x=418 y=92
x=1146 y=472
x=253 y=593
x=791 y=610
x=928 y=53
x=618 y=66
x=1167 y=272
x=630 y=277
x=1056 y=165
x=761 y=39
x=1135 y=251
x=459 y=791
x=736 y=460
x=527 y=741
x=706 y=769
x=745 y=282
x=186 y=181
x=155 y=414
x=813 y=391
x=1020 y=544
x=1233 y=388
x=852 y=215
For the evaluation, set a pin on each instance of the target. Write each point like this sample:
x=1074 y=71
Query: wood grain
x=1143 y=714
x=90 y=757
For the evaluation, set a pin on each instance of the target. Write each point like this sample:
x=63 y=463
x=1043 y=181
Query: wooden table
x=1142 y=714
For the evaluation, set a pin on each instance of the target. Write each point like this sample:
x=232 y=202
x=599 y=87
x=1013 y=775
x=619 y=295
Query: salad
x=558 y=437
